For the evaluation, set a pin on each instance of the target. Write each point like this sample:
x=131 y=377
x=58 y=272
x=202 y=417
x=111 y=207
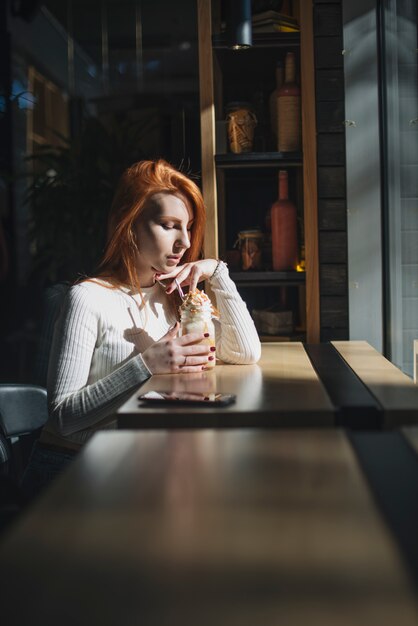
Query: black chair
x=23 y=412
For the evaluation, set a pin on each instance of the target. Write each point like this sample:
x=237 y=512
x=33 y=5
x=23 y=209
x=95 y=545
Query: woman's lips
x=173 y=259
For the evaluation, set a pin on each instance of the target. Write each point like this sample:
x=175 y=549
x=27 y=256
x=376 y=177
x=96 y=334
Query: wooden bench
x=355 y=405
x=394 y=391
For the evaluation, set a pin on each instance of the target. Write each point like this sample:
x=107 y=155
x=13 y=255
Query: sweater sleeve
x=73 y=403
x=238 y=341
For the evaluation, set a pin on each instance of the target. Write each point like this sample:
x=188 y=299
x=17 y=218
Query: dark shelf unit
x=241 y=188
x=261 y=40
x=252 y=70
x=267 y=279
x=259 y=288
x=259 y=159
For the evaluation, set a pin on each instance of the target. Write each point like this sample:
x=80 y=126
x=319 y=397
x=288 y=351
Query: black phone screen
x=165 y=398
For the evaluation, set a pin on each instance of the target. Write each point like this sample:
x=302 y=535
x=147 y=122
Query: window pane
x=401 y=125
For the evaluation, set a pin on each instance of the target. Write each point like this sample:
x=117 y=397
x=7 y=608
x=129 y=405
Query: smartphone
x=172 y=398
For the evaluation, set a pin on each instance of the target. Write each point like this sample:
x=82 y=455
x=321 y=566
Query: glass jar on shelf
x=250 y=244
x=241 y=121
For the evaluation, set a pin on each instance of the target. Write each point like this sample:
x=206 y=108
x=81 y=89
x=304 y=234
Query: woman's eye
x=169 y=226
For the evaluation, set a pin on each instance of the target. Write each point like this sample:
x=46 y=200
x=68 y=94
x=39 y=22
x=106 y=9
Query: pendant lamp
x=238 y=24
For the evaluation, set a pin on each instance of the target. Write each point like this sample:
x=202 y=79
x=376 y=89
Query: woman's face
x=162 y=236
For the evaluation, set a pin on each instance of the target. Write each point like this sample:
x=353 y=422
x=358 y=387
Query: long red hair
x=136 y=186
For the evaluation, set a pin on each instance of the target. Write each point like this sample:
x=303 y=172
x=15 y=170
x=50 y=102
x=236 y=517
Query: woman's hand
x=190 y=274
x=173 y=354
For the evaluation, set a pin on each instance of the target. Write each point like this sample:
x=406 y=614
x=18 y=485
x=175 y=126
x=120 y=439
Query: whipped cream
x=198 y=302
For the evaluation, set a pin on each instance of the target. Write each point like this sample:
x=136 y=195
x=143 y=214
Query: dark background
x=129 y=92
x=122 y=76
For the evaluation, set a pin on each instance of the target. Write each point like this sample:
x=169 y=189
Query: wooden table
x=342 y=383
x=282 y=389
x=395 y=392
x=207 y=527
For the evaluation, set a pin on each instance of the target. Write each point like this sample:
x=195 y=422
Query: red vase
x=284 y=229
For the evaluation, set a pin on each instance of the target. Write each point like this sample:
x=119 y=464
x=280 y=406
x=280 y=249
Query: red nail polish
x=210 y=358
x=206 y=335
x=212 y=348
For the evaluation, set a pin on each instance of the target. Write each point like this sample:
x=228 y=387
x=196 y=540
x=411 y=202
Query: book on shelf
x=274 y=16
x=272 y=21
x=275 y=28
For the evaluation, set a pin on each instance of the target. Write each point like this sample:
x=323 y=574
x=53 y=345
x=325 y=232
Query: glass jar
x=199 y=321
x=251 y=246
x=241 y=124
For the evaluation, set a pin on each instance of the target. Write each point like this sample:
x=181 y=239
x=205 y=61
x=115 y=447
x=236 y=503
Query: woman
x=117 y=329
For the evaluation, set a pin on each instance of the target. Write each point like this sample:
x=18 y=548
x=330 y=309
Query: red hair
x=137 y=185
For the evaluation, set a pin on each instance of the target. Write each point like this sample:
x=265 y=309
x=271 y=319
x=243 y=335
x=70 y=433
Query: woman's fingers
x=195 y=356
x=189 y=274
x=189 y=353
x=198 y=349
x=192 y=338
x=192 y=369
x=172 y=331
x=195 y=277
x=172 y=274
x=178 y=273
x=183 y=278
x=188 y=360
x=197 y=362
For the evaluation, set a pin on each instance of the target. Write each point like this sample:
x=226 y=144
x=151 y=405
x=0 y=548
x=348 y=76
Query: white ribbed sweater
x=96 y=362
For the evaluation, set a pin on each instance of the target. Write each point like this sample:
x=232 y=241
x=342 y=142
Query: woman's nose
x=184 y=240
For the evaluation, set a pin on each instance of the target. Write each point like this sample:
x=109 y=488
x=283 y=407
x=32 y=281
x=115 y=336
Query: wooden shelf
x=226 y=75
x=260 y=40
x=258 y=159
x=263 y=279
x=282 y=338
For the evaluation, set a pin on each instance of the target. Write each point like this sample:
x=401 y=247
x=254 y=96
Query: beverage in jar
x=196 y=316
